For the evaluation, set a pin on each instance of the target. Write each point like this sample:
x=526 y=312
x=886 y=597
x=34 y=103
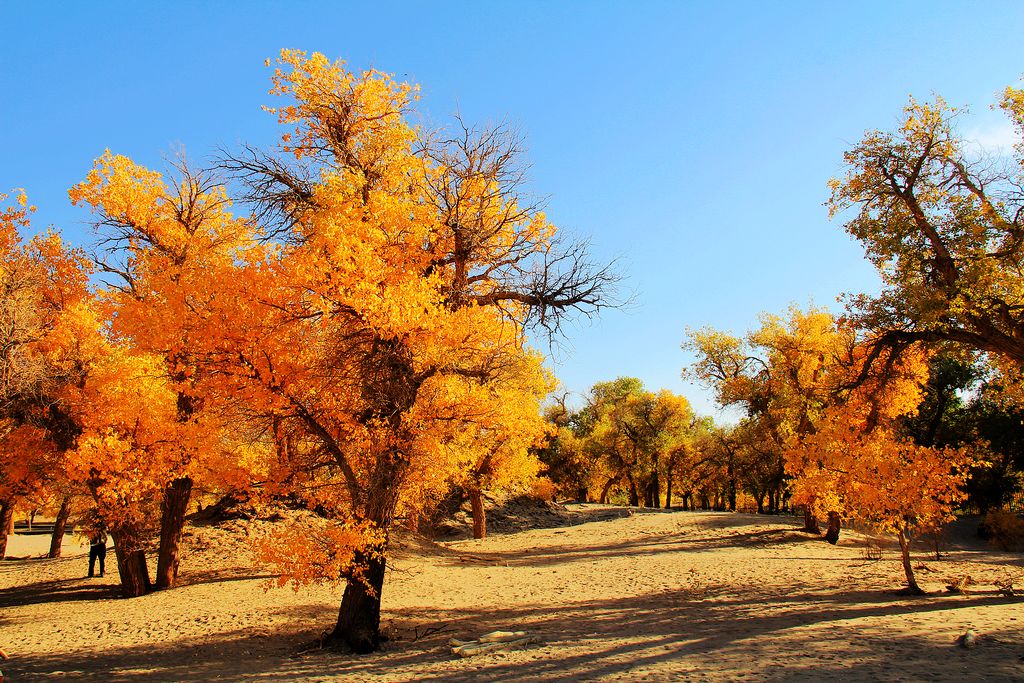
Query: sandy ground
x=649 y=597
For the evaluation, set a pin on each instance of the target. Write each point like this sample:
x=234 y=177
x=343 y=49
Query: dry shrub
x=1004 y=530
x=872 y=550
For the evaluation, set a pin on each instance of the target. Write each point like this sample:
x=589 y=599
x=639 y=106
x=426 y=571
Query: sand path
x=650 y=597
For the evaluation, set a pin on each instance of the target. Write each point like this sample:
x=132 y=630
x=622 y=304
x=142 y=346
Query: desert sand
x=639 y=596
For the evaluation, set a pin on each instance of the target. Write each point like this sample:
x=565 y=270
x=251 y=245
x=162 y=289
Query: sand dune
x=653 y=596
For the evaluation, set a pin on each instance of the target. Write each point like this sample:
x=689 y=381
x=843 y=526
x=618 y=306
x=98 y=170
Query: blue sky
x=692 y=141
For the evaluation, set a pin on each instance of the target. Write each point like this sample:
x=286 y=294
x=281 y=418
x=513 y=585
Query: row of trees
x=899 y=443
x=871 y=413
x=625 y=440
x=637 y=447
x=353 y=338
x=892 y=414
x=834 y=420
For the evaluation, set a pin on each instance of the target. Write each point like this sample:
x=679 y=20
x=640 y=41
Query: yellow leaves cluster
x=127 y=192
x=854 y=461
x=129 y=446
x=1013 y=104
x=879 y=477
x=373 y=133
x=830 y=402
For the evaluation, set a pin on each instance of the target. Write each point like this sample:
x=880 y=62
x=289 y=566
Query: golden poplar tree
x=402 y=273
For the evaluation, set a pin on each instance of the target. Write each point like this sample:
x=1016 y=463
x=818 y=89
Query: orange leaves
x=126 y=451
x=25 y=460
x=319 y=551
x=880 y=477
x=853 y=459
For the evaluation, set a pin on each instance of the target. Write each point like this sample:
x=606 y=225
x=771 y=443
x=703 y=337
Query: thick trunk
x=59 y=524
x=759 y=498
x=476 y=501
x=834 y=524
x=668 y=491
x=172 y=523
x=131 y=567
x=650 y=495
x=634 y=495
x=912 y=586
x=358 y=626
x=6 y=523
x=810 y=521
x=771 y=502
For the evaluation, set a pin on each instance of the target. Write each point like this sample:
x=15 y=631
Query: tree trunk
x=634 y=496
x=834 y=524
x=476 y=501
x=607 y=488
x=771 y=502
x=912 y=587
x=759 y=498
x=668 y=491
x=172 y=523
x=650 y=495
x=131 y=567
x=358 y=626
x=582 y=494
x=6 y=523
x=59 y=524
x=937 y=539
x=810 y=521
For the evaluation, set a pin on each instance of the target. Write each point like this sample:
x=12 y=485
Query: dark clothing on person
x=97 y=551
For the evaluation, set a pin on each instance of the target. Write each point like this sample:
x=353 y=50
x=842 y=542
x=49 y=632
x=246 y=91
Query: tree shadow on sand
x=586 y=640
x=648 y=545
x=721 y=631
x=59 y=591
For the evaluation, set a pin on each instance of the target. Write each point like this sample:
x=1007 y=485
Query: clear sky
x=692 y=141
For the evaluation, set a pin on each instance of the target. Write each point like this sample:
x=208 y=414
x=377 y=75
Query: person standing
x=97 y=550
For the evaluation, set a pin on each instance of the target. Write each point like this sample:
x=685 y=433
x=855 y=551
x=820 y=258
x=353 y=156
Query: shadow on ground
x=714 y=631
